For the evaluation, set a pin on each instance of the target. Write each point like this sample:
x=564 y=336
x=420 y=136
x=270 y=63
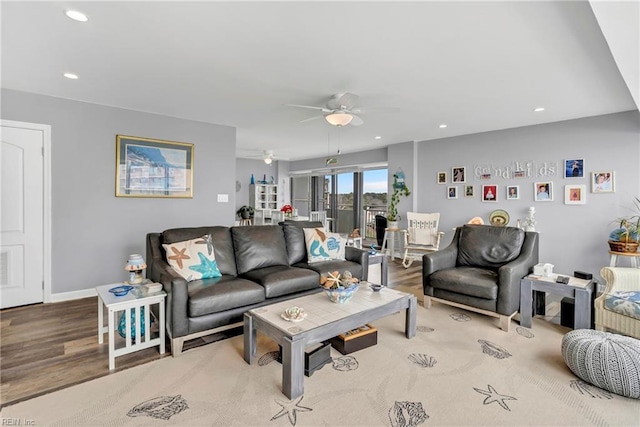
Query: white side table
x=391 y=236
x=136 y=299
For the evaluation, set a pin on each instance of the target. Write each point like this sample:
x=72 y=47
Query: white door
x=22 y=216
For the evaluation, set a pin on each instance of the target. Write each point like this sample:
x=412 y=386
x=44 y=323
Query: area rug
x=460 y=369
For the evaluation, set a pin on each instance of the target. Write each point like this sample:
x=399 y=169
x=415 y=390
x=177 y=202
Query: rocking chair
x=421 y=236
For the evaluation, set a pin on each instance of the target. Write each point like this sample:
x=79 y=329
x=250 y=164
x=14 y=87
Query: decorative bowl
x=120 y=291
x=375 y=287
x=341 y=295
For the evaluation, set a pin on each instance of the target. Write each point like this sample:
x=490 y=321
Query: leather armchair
x=481 y=270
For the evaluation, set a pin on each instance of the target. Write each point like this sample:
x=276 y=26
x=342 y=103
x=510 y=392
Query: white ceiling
x=476 y=66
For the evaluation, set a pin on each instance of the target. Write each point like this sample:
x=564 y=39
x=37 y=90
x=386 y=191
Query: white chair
x=320 y=216
x=615 y=309
x=276 y=217
x=421 y=236
x=260 y=216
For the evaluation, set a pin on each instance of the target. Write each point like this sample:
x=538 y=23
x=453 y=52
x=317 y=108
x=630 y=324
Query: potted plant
x=400 y=189
x=245 y=212
x=626 y=237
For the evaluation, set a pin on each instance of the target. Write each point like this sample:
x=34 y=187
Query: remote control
x=562 y=279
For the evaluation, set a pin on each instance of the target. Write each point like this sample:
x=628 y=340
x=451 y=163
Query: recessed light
x=377 y=137
x=76 y=16
x=537 y=110
x=442 y=126
x=71 y=76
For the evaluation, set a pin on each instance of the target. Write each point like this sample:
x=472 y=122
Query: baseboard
x=68 y=296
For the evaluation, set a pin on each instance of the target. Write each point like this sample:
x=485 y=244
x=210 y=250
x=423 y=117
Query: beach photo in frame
x=603 y=182
x=574 y=168
x=489 y=193
x=148 y=167
x=575 y=194
x=468 y=191
x=452 y=192
x=459 y=175
x=513 y=192
x=442 y=177
x=543 y=191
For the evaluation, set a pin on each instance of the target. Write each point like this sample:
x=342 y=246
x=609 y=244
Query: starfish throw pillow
x=193 y=259
x=323 y=245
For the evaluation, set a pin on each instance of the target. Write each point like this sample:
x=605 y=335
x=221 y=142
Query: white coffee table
x=325 y=319
x=135 y=299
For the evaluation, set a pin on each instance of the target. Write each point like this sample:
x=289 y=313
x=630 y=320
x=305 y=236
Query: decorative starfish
x=290 y=409
x=494 y=396
x=206 y=267
x=179 y=255
x=206 y=240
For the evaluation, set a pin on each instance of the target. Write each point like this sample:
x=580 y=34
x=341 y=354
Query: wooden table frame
x=294 y=343
x=581 y=290
x=134 y=299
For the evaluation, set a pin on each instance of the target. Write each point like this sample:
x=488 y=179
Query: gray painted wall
x=94 y=231
x=572 y=237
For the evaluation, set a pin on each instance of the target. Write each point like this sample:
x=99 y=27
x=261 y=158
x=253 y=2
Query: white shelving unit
x=264 y=196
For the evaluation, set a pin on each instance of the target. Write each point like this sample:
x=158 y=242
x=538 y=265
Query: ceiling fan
x=339 y=111
x=268 y=156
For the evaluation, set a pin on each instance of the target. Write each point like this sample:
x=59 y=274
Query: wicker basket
x=623 y=246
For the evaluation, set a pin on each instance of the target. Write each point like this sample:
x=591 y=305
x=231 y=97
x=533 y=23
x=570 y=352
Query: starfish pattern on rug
x=494 y=396
x=179 y=255
x=290 y=409
x=206 y=267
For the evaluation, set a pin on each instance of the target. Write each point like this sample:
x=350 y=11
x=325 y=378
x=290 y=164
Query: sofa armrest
x=177 y=296
x=358 y=256
x=510 y=274
x=620 y=279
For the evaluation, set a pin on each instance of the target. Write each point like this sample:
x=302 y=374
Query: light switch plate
x=223 y=198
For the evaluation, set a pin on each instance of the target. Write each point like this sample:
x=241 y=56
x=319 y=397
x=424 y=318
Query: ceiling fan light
x=339 y=118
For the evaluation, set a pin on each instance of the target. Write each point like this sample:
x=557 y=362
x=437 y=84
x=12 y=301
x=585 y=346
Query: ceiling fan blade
x=356 y=121
x=343 y=101
x=324 y=110
x=310 y=119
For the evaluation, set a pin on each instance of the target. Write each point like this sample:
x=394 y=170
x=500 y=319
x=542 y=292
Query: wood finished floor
x=47 y=347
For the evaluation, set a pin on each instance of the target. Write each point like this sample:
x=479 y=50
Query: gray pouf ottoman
x=606 y=360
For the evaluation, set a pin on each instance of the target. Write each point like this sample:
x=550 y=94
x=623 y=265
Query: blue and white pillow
x=323 y=245
x=193 y=259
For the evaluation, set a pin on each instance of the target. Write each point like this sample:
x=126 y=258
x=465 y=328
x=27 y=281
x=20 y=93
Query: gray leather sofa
x=481 y=270
x=259 y=264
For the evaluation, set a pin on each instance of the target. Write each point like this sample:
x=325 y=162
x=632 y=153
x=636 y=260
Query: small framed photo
x=489 y=193
x=602 y=182
x=452 y=192
x=442 y=177
x=459 y=175
x=485 y=176
x=519 y=174
x=575 y=194
x=513 y=192
x=468 y=191
x=574 y=168
x=543 y=191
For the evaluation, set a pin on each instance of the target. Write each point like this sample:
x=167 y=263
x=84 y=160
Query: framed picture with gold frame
x=148 y=167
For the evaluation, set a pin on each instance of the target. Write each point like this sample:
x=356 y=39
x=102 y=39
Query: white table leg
x=100 y=321
x=613 y=260
x=162 y=339
x=112 y=340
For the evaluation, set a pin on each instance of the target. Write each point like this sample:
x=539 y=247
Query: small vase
x=393 y=224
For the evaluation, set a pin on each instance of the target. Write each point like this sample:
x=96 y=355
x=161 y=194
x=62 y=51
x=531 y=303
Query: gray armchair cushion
x=472 y=281
x=222 y=244
x=488 y=246
x=258 y=247
x=221 y=293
